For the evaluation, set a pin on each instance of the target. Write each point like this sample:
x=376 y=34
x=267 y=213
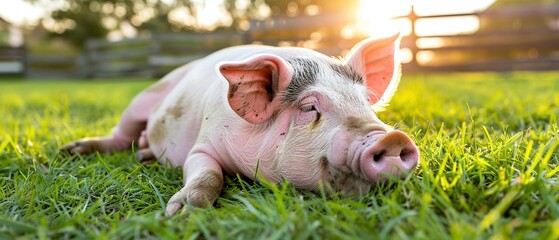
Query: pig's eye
x=308 y=104
x=308 y=108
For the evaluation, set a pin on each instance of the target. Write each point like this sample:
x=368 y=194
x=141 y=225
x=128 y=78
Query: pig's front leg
x=203 y=179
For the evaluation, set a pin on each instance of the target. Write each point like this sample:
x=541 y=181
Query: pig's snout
x=393 y=153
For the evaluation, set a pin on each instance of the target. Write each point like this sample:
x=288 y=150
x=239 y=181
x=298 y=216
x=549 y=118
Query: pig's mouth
x=381 y=153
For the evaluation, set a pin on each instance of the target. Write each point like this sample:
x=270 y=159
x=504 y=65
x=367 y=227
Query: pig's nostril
x=409 y=154
x=377 y=156
x=405 y=155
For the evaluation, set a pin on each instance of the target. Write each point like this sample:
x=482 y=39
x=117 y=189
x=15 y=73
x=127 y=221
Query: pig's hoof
x=79 y=147
x=172 y=208
x=145 y=156
x=177 y=202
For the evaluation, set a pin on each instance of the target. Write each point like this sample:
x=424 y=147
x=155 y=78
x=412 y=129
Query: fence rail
x=500 y=47
x=494 y=48
x=48 y=66
x=13 y=61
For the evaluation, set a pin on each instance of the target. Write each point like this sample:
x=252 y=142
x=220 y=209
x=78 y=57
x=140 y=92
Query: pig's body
x=196 y=112
x=287 y=113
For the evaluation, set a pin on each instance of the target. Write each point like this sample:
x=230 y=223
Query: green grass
x=489 y=168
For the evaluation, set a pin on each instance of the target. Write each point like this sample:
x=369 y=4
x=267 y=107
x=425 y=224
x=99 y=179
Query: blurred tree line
x=79 y=20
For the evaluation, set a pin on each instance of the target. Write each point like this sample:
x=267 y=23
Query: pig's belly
x=170 y=140
x=173 y=128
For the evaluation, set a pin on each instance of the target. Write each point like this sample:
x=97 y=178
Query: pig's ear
x=375 y=60
x=255 y=86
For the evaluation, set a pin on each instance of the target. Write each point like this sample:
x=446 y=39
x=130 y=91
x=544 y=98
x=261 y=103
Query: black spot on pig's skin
x=233 y=89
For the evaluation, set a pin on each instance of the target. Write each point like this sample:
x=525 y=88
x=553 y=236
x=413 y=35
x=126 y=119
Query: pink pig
x=293 y=113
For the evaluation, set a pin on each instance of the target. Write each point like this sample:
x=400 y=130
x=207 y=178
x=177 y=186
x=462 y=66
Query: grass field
x=489 y=169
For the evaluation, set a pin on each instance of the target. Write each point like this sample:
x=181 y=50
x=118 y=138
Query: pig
x=273 y=112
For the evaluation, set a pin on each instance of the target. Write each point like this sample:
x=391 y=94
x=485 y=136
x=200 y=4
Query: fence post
x=247 y=35
x=89 y=59
x=25 y=61
x=413 y=38
x=81 y=65
x=154 y=54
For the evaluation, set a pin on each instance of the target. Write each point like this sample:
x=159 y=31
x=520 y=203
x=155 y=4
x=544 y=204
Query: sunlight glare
x=447 y=26
x=375 y=17
x=20 y=12
x=380 y=18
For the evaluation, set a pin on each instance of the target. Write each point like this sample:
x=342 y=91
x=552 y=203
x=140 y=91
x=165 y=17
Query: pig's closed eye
x=308 y=108
x=308 y=104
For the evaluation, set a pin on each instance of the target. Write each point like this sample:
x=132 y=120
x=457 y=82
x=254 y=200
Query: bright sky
x=374 y=14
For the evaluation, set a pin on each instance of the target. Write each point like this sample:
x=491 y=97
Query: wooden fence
x=153 y=56
x=55 y=66
x=532 y=44
x=13 y=61
x=321 y=32
x=518 y=38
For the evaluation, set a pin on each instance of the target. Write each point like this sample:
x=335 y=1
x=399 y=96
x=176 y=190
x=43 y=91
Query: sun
x=376 y=18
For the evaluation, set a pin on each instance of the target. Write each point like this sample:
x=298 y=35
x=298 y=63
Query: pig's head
x=318 y=115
